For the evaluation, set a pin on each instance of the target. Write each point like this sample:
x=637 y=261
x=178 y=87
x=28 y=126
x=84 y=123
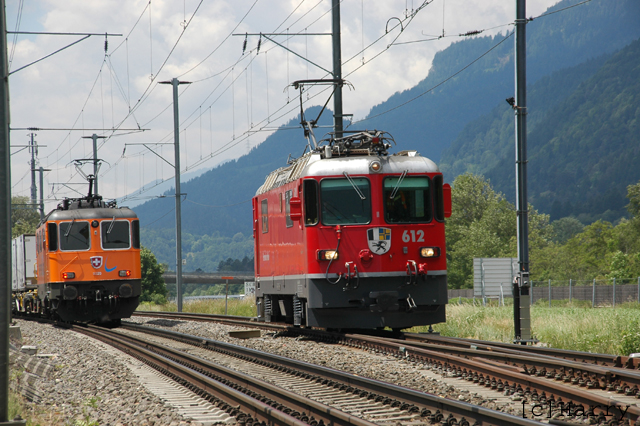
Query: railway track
x=286 y=391
x=592 y=385
x=371 y=400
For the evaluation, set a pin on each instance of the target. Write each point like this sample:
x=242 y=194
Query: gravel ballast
x=88 y=382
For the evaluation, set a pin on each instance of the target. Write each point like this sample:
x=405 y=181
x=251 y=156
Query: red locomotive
x=348 y=236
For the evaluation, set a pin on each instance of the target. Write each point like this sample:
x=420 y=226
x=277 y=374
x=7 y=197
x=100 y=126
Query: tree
x=236 y=265
x=153 y=286
x=24 y=217
x=566 y=228
x=483 y=224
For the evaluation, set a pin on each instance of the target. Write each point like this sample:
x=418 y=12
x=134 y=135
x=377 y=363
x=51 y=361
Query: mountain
x=556 y=41
x=219 y=200
x=584 y=152
x=565 y=50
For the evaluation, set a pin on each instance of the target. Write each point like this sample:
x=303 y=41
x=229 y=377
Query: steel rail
x=613 y=379
x=603 y=359
x=484 y=360
x=391 y=391
x=496 y=374
x=222 y=319
x=234 y=401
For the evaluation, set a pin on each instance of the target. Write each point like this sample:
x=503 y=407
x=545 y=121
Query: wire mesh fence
x=597 y=292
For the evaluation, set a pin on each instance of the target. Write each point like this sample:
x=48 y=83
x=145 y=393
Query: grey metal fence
x=605 y=292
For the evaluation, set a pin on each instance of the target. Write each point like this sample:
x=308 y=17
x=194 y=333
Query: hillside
x=554 y=42
x=564 y=49
x=585 y=152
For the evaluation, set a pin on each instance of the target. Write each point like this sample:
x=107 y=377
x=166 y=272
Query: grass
x=566 y=325
x=240 y=307
x=573 y=326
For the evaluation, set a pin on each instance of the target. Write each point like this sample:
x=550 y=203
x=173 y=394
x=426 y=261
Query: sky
x=238 y=95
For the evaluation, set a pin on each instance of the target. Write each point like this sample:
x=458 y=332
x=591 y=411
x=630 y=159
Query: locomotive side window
x=407 y=200
x=343 y=202
x=310 y=202
x=115 y=234
x=287 y=206
x=52 y=229
x=75 y=236
x=135 y=234
x=265 y=216
x=439 y=201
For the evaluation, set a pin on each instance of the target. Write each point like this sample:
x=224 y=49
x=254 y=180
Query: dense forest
x=482 y=224
x=582 y=140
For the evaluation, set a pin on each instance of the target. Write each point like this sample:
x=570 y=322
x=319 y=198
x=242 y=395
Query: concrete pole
x=5 y=221
x=176 y=142
x=34 y=195
x=337 y=67
x=41 y=193
x=95 y=163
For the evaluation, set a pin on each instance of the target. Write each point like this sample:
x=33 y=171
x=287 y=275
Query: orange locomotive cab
x=88 y=261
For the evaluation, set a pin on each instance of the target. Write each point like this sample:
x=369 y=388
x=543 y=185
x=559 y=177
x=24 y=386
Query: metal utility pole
x=33 y=148
x=95 y=160
x=337 y=67
x=522 y=286
x=176 y=138
x=5 y=221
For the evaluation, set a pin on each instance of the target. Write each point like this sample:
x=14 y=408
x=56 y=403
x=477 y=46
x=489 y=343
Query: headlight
x=375 y=166
x=429 y=251
x=327 y=255
x=124 y=273
x=68 y=275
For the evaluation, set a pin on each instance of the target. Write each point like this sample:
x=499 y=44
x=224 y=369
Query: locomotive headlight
x=375 y=166
x=327 y=255
x=124 y=273
x=68 y=275
x=430 y=251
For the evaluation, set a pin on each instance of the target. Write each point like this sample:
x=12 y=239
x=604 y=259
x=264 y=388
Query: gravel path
x=83 y=382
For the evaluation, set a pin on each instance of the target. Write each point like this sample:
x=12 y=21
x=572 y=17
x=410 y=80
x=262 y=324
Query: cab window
x=310 y=202
x=407 y=200
x=265 y=216
x=115 y=234
x=75 y=236
x=52 y=230
x=345 y=201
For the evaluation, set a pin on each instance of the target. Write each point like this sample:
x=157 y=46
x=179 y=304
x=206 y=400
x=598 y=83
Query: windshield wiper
x=362 y=197
x=395 y=190
x=111 y=225
x=66 y=234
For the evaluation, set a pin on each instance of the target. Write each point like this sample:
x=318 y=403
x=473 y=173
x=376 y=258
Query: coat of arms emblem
x=379 y=240
x=96 y=261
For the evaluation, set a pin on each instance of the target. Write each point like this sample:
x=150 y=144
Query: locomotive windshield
x=115 y=234
x=342 y=204
x=407 y=200
x=74 y=236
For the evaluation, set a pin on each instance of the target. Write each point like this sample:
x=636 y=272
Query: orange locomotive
x=88 y=262
x=348 y=236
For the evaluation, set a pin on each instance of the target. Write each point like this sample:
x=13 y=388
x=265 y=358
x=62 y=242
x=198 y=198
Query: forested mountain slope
x=586 y=150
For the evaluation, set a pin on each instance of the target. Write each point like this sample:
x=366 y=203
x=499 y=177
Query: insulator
x=106 y=45
x=244 y=44
x=259 y=43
